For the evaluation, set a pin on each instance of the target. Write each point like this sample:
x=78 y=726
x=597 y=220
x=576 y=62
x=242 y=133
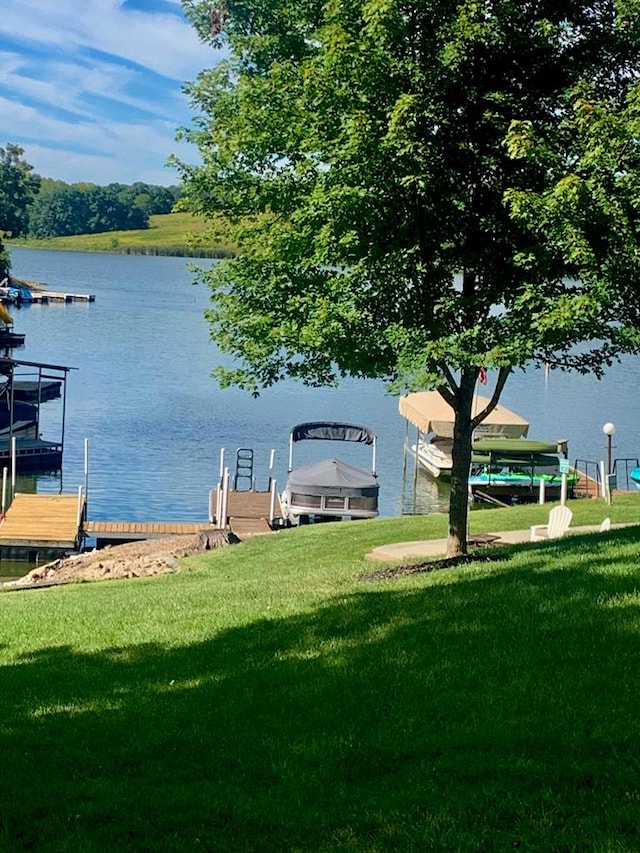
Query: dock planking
x=248 y=512
x=119 y=532
x=40 y=525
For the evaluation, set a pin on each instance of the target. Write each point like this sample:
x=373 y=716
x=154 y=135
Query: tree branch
x=448 y=394
x=503 y=375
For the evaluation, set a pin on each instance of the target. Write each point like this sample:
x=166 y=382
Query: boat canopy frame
x=332 y=431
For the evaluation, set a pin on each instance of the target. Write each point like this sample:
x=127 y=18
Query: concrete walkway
x=426 y=548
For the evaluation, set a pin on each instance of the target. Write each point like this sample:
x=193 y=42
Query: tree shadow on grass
x=497 y=712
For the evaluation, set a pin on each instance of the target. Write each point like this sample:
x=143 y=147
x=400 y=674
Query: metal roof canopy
x=430 y=413
x=7 y=368
x=12 y=362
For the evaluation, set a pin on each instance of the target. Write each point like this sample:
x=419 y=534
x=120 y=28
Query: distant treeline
x=61 y=210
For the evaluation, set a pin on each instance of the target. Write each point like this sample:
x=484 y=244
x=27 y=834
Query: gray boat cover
x=333 y=477
x=331 y=431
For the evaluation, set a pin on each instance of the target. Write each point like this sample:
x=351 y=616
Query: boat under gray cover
x=333 y=476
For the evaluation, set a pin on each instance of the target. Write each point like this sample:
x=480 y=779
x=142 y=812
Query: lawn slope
x=266 y=698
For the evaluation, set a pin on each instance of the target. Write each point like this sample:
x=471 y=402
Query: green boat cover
x=514 y=446
x=524 y=460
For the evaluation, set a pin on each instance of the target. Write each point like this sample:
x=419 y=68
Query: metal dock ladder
x=244 y=467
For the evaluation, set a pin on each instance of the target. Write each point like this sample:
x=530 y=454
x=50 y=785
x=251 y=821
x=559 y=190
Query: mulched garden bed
x=392 y=572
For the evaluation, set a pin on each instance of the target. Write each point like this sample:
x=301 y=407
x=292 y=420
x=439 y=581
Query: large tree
x=18 y=186
x=417 y=191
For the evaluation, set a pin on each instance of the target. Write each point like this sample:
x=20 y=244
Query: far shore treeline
x=136 y=218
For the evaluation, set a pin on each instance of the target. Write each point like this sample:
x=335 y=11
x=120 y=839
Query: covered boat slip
x=520 y=469
x=505 y=464
x=433 y=418
x=331 y=488
x=24 y=387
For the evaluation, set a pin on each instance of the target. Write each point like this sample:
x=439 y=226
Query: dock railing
x=590 y=483
x=621 y=468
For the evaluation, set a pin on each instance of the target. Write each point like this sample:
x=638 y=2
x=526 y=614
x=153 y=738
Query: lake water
x=155 y=421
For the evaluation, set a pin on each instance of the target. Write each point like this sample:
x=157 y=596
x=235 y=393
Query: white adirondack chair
x=558 y=524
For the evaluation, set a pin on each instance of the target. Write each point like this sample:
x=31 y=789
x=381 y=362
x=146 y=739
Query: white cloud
x=163 y=43
x=80 y=91
x=102 y=153
x=68 y=86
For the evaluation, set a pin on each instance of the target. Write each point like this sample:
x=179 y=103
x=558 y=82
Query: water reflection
x=421 y=493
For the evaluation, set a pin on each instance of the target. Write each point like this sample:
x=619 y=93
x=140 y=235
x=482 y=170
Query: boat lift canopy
x=430 y=413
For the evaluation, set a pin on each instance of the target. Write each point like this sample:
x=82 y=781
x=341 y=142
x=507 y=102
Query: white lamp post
x=609 y=430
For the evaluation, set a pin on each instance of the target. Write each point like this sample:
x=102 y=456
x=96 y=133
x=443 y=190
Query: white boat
x=434 y=454
x=434 y=419
x=330 y=489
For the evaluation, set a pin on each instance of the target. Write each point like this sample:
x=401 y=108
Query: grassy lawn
x=168 y=234
x=266 y=698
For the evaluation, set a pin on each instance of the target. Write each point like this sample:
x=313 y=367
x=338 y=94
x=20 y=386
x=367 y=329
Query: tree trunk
x=461 y=455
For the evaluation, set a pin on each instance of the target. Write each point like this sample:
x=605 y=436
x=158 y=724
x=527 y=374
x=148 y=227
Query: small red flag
x=482 y=376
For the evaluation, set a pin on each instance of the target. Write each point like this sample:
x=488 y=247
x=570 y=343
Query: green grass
x=168 y=234
x=267 y=699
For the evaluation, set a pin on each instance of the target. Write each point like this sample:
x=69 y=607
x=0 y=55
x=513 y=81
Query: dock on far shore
x=37 y=292
x=43 y=297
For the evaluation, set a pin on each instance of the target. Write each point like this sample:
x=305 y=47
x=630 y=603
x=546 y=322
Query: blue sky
x=92 y=89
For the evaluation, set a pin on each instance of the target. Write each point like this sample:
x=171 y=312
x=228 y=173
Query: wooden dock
x=119 y=532
x=247 y=514
x=42 y=527
x=37 y=527
x=43 y=297
x=32 y=454
x=587 y=486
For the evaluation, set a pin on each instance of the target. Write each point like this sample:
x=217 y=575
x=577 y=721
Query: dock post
x=272 y=462
x=86 y=470
x=542 y=494
x=79 y=511
x=222 y=520
x=272 y=505
x=13 y=465
x=563 y=489
x=603 y=480
x=220 y=488
x=4 y=490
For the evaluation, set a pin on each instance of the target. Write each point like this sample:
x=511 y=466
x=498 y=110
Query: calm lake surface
x=155 y=421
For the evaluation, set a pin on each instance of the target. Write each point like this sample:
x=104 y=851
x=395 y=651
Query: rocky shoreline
x=145 y=558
